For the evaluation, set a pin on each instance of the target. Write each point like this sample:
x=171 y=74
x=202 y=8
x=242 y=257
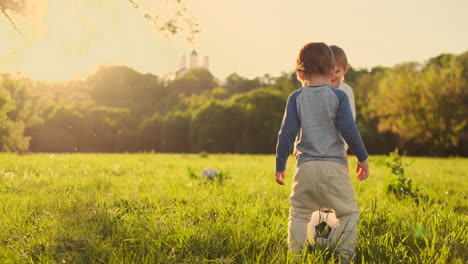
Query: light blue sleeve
x=288 y=132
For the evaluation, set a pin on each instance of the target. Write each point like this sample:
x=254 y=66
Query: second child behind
x=337 y=81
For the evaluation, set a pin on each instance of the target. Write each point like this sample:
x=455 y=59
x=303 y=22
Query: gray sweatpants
x=319 y=185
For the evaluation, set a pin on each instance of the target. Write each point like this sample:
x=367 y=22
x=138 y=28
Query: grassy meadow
x=150 y=208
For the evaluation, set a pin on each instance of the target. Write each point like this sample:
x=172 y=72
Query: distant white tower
x=194 y=60
x=206 y=62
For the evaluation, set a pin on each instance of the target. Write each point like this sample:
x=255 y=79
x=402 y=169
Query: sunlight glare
x=75 y=36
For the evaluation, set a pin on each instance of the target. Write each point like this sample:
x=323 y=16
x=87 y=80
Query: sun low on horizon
x=72 y=38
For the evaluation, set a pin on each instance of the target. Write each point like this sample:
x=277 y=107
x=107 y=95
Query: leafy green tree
x=150 y=133
x=114 y=86
x=30 y=107
x=123 y=87
x=175 y=132
x=444 y=95
x=104 y=128
x=73 y=92
x=237 y=84
x=220 y=93
x=365 y=88
x=353 y=75
x=463 y=142
x=424 y=105
x=11 y=133
x=62 y=132
x=286 y=83
x=194 y=81
x=217 y=127
x=16 y=113
x=263 y=110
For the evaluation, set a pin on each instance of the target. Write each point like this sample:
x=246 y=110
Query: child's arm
x=286 y=136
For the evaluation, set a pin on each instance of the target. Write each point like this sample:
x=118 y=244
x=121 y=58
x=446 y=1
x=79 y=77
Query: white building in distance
x=194 y=61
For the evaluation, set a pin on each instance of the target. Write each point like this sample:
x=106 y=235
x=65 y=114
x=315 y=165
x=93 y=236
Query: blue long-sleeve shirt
x=313 y=120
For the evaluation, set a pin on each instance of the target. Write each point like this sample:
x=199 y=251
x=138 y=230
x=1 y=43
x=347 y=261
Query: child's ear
x=300 y=75
x=346 y=68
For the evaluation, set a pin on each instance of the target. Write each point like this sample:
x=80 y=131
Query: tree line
x=420 y=108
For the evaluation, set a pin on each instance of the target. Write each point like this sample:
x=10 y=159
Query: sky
x=68 y=39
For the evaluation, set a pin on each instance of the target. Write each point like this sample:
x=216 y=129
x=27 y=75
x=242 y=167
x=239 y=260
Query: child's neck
x=316 y=80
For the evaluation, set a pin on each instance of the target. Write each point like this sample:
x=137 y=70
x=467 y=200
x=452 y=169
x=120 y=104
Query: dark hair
x=315 y=58
x=340 y=56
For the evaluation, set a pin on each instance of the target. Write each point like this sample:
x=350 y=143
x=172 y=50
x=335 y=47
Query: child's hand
x=279 y=177
x=362 y=170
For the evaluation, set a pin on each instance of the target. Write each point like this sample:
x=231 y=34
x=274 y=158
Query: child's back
x=314 y=118
x=319 y=109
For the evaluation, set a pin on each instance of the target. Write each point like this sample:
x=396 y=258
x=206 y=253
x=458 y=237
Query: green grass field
x=145 y=208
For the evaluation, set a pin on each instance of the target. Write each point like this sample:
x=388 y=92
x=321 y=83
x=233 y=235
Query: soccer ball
x=319 y=228
x=209 y=174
